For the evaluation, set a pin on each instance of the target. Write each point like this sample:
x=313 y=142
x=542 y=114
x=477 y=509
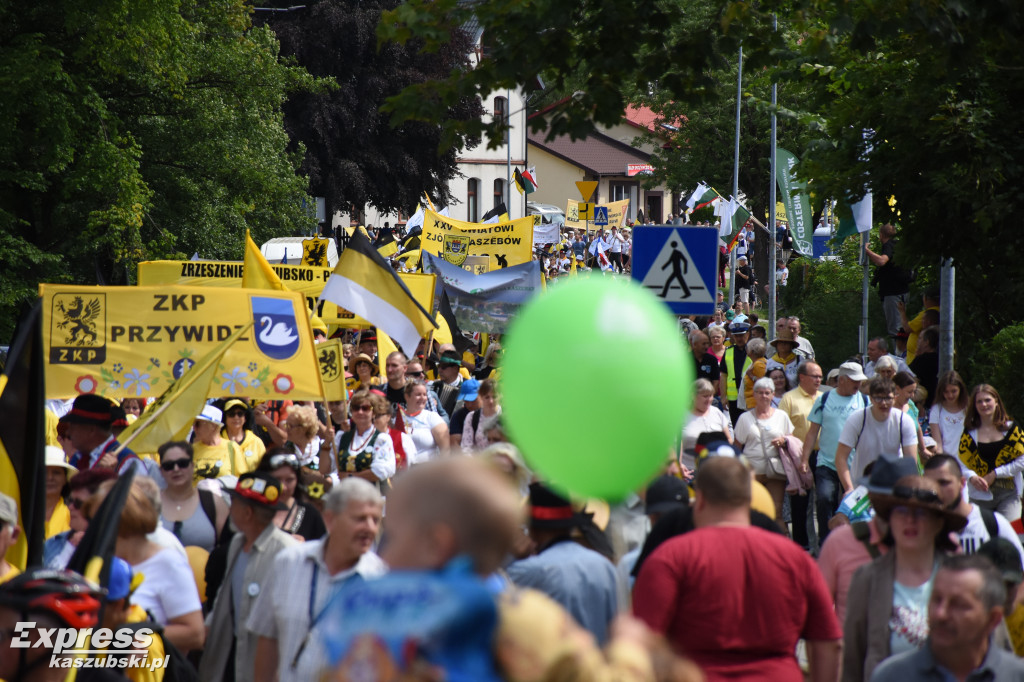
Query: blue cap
x=119 y=584
x=469 y=389
x=739 y=328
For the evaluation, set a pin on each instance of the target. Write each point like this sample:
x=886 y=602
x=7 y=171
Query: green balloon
x=596 y=381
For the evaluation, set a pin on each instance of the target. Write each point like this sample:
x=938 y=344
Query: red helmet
x=64 y=594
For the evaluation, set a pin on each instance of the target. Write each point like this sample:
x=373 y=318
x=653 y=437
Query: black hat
x=90 y=409
x=664 y=494
x=550 y=510
x=886 y=470
x=1005 y=557
x=260 y=489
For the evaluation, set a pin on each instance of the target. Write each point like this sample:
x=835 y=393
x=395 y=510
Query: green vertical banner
x=798 y=205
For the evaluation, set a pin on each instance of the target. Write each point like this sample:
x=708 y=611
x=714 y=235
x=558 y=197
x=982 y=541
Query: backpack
x=991 y=525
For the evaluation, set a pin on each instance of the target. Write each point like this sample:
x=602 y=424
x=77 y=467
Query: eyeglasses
x=905 y=492
x=278 y=461
x=415 y=374
x=362 y=408
x=883 y=398
x=76 y=503
x=172 y=464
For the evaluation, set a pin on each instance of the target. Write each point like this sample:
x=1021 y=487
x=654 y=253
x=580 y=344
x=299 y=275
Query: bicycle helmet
x=66 y=595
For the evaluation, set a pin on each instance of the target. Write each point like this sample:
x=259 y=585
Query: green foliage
x=826 y=296
x=999 y=363
x=132 y=131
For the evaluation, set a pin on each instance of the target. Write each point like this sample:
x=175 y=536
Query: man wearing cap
x=449 y=379
x=965 y=608
x=982 y=524
x=250 y=563
x=768 y=594
x=578 y=578
x=733 y=367
x=288 y=609
x=851 y=545
x=825 y=424
x=9 y=531
x=744 y=282
x=88 y=429
x=368 y=344
x=798 y=403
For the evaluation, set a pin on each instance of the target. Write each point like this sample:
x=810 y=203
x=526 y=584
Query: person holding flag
x=89 y=430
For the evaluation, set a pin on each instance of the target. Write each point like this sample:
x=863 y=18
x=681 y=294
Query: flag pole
x=736 y=167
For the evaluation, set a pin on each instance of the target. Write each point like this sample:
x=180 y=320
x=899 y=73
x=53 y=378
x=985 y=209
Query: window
x=500 y=108
x=499 y=192
x=472 y=199
x=626 y=190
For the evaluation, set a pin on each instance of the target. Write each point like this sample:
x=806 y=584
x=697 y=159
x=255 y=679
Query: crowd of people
x=855 y=523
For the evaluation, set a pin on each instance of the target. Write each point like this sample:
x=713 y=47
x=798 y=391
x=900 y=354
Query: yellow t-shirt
x=214 y=461
x=251 y=451
x=51 y=429
x=59 y=521
x=136 y=614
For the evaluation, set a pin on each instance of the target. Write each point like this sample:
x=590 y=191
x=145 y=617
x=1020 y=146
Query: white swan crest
x=278 y=334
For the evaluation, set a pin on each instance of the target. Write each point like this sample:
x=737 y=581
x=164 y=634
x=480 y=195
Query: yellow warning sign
x=586 y=188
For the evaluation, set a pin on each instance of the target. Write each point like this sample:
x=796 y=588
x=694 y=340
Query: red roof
x=644 y=117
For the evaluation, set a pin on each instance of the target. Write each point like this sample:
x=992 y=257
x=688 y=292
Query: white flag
x=862 y=214
x=697 y=194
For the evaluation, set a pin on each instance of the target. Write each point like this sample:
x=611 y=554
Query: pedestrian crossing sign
x=679 y=265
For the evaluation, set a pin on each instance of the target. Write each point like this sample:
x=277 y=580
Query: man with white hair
x=288 y=610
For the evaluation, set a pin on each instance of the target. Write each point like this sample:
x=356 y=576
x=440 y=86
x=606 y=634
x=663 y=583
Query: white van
x=278 y=248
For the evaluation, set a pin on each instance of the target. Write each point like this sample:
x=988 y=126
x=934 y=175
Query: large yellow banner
x=136 y=341
x=616 y=215
x=505 y=243
x=307 y=280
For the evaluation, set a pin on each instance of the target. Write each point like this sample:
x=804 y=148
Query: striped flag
x=696 y=195
x=363 y=283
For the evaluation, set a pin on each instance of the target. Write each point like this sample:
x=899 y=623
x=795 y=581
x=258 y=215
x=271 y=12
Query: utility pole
x=736 y=170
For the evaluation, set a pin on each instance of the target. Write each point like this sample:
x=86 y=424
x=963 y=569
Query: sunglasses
x=415 y=374
x=235 y=414
x=920 y=494
x=362 y=408
x=76 y=503
x=278 y=461
x=172 y=464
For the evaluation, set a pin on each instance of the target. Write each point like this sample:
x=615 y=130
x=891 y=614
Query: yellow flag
x=443 y=334
x=385 y=347
x=256 y=271
x=332 y=369
x=388 y=249
x=177 y=407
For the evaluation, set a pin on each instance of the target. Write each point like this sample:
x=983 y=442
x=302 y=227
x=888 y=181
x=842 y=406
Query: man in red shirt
x=735 y=598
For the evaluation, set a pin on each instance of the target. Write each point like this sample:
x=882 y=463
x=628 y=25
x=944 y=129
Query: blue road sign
x=600 y=215
x=679 y=265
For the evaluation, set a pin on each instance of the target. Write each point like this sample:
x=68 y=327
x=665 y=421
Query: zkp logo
x=78 y=325
x=456 y=248
x=314 y=252
x=329 y=366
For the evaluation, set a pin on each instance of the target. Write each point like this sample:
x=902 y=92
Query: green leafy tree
x=131 y=131
x=353 y=153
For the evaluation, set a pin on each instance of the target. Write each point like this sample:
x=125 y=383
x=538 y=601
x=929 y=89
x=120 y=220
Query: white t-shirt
x=975 y=533
x=876 y=437
x=169 y=588
x=713 y=420
x=951 y=424
x=419 y=428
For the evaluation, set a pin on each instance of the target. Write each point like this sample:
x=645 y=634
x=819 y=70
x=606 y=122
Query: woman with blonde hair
x=169 y=592
x=302 y=425
x=703 y=418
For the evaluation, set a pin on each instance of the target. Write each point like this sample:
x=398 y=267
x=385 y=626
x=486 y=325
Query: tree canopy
x=910 y=99
x=138 y=130
x=353 y=155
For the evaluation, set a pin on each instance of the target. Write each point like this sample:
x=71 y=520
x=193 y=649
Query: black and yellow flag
x=22 y=438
